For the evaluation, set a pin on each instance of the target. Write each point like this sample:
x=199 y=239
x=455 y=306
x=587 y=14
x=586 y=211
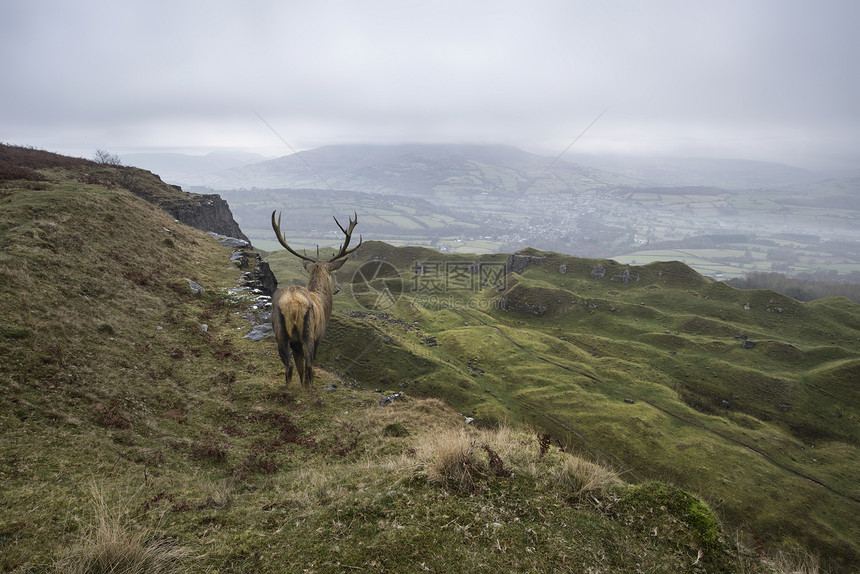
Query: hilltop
x=137 y=418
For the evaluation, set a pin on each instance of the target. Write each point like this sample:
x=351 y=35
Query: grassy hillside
x=138 y=428
x=748 y=398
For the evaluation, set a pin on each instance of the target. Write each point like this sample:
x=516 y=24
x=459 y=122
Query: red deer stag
x=300 y=314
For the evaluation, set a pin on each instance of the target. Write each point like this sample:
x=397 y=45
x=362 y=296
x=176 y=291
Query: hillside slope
x=748 y=398
x=137 y=424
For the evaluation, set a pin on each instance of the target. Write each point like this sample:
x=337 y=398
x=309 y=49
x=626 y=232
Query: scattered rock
x=196 y=288
x=626 y=277
x=228 y=241
x=260 y=332
x=597 y=272
x=256 y=286
x=388 y=399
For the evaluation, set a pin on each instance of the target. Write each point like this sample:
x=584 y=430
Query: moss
x=395 y=430
x=683 y=506
x=106 y=329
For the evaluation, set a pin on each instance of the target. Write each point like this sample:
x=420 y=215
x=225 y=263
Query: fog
x=763 y=79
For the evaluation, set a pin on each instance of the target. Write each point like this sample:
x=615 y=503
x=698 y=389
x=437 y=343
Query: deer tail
x=295 y=311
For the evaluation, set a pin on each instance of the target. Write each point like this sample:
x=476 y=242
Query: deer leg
x=310 y=354
x=300 y=366
x=309 y=372
x=283 y=339
x=289 y=370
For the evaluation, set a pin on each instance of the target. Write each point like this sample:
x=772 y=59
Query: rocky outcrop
x=206 y=212
x=517 y=262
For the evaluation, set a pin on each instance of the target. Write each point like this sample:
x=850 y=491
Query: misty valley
x=723 y=218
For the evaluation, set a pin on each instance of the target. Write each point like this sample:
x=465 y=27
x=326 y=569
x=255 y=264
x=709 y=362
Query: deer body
x=300 y=314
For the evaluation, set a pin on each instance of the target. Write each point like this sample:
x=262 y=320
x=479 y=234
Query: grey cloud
x=763 y=77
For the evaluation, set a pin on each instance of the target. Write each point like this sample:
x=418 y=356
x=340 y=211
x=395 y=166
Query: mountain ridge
x=409 y=169
x=296 y=170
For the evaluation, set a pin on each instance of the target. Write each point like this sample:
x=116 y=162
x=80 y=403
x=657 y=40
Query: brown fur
x=299 y=318
x=300 y=314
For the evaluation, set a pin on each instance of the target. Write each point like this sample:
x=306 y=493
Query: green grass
x=131 y=438
x=741 y=427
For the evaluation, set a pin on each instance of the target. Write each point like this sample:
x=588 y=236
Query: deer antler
x=343 y=252
x=283 y=240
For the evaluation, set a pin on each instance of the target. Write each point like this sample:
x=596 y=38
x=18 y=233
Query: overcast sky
x=775 y=80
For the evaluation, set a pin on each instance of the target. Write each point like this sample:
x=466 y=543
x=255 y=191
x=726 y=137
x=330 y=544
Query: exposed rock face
x=518 y=262
x=597 y=272
x=206 y=212
x=626 y=277
x=264 y=277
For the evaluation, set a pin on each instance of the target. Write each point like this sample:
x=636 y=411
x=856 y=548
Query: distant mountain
x=184 y=168
x=414 y=169
x=679 y=171
x=418 y=169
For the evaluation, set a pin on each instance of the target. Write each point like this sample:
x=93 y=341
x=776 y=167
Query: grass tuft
x=114 y=545
x=448 y=458
x=576 y=477
x=785 y=562
x=459 y=460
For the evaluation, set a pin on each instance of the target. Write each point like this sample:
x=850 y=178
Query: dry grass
x=796 y=563
x=458 y=458
x=448 y=458
x=576 y=477
x=114 y=545
x=313 y=486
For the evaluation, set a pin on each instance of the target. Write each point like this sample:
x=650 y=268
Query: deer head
x=300 y=314
x=313 y=264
